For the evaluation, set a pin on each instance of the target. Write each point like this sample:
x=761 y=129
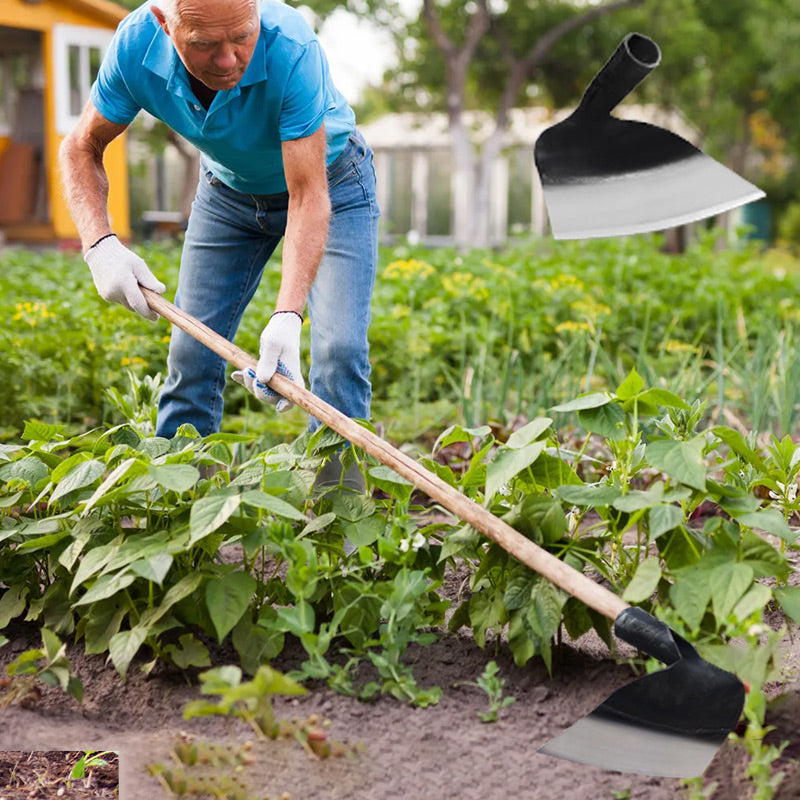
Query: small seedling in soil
x=89 y=759
x=491 y=683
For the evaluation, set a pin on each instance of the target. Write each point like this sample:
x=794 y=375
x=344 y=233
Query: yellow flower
x=408 y=269
x=572 y=325
x=464 y=284
x=676 y=346
x=564 y=281
x=590 y=308
x=133 y=361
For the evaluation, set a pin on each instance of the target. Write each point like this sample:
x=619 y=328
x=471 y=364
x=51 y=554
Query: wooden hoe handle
x=570 y=580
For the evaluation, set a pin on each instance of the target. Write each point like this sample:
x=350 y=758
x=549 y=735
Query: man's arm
x=84 y=176
x=307 y=222
x=303 y=245
x=118 y=272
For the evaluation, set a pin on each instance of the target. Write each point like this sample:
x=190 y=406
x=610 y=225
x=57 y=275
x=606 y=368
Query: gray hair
x=169 y=8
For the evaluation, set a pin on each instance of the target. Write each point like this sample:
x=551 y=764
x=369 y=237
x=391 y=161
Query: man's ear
x=162 y=20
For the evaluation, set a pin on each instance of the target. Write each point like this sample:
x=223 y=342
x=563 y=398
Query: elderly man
x=248 y=84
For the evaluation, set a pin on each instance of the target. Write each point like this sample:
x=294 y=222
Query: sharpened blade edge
x=646 y=201
x=618 y=747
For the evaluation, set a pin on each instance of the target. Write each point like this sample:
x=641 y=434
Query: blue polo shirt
x=285 y=93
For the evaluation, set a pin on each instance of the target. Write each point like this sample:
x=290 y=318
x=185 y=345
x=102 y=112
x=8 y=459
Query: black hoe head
x=670 y=723
x=603 y=176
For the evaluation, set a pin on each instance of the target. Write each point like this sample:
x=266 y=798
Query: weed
x=491 y=683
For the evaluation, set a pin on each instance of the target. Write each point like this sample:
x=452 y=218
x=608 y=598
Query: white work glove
x=117 y=273
x=279 y=351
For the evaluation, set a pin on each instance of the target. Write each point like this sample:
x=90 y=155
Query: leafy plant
x=89 y=759
x=48 y=664
x=491 y=683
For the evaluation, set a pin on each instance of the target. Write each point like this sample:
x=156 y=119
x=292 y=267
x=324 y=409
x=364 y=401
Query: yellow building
x=50 y=51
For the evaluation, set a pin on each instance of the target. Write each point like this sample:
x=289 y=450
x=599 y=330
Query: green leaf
x=464 y=539
x=319 y=523
x=544 y=615
x=549 y=472
x=486 y=612
x=258 y=499
x=183 y=588
x=592 y=496
x=10 y=500
x=457 y=433
x=691 y=594
x=755 y=599
x=682 y=461
x=663 y=398
x=518 y=591
x=529 y=433
x=769 y=520
x=508 y=463
x=79 y=477
x=585 y=401
x=30 y=470
x=42 y=542
x=728 y=583
x=177 y=478
x=154 y=568
x=12 y=603
x=257 y=643
x=607 y=421
x=364 y=532
x=631 y=386
x=210 y=512
x=644 y=581
x=387 y=480
x=738 y=445
x=636 y=500
x=788 y=598
x=227 y=598
x=124 y=646
x=103 y=621
x=297 y=619
x=189 y=652
x=115 y=475
x=41 y=431
x=106 y=586
x=519 y=640
x=663 y=518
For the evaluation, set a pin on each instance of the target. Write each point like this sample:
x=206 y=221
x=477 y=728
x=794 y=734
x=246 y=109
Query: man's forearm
x=86 y=190
x=304 y=244
x=84 y=176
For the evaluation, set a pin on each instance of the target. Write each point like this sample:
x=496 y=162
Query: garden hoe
x=603 y=176
x=668 y=723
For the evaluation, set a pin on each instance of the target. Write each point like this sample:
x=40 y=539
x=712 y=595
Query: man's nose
x=225 y=57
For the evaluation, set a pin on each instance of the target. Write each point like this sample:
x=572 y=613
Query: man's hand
x=279 y=352
x=117 y=273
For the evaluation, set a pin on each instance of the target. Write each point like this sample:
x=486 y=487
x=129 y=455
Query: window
x=77 y=53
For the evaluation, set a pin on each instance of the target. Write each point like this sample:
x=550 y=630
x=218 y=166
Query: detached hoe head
x=670 y=723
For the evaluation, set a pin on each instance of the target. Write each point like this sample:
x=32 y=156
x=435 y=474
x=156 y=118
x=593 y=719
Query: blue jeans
x=229 y=239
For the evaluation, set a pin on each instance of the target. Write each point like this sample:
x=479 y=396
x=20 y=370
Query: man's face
x=215 y=39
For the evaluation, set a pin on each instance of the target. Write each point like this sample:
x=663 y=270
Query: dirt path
x=400 y=752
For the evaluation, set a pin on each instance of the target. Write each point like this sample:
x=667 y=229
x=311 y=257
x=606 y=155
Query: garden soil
x=393 y=751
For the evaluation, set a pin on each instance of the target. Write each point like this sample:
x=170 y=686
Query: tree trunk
x=462 y=183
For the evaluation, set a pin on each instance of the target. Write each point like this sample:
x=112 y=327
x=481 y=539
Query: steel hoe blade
x=604 y=176
x=669 y=723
